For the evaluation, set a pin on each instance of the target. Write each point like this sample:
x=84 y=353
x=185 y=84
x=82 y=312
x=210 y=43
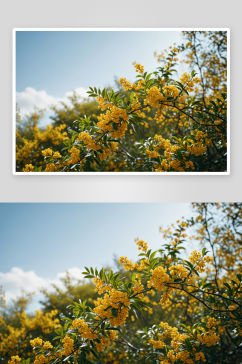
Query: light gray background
x=121 y=14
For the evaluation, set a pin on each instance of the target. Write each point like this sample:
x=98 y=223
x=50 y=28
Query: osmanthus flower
x=139 y=68
x=142 y=245
x=50 y=167
x=47 y=152
x=36 y=342
x=15 y=360
x=127 y=264
x=47 y=345
x=28 y=168
x=84 y=330
x=75 y=155
x=67 y=345
x=56 y=155
x=115 y=300
x=88 y=141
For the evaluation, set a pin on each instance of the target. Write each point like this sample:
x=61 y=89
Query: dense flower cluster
x=83 y=329
x=114 y=299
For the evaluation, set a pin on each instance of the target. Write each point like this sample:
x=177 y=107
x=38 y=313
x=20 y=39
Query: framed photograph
x=121 y=101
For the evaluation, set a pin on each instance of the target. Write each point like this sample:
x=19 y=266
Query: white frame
x=116 y=173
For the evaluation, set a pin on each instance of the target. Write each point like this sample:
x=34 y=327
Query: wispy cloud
x=14 y=281
x=30 y=98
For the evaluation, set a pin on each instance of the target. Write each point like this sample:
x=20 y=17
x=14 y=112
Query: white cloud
x=29 y=98
x=16 y=280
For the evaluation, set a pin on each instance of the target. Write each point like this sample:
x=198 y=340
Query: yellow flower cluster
x=36 y=342
x=158 y=278
x=176 y=341
x=57 y=155
x=75 y=155
x=15 y=360
x=104 y=341
x=88 y=141
x=138 y=67
x=136 y=105
x=101 y=286
x=28 y=168
x=67 y=345
x=138 y=86
x=171 y=90
x=169 y=152
x=138 y=288
x=47 y=152
x=189 y=164
x=142 y=265
x=114 y=115
x=178 y=271
x=200 y=135
x=128 y=265
x=142 y=245
x=30 y=140
x=40 y=359
x=212 y=322
x=152 y=153
x=195 y=258
x=207 y=338
x=196 y=149
x=154 y=97
x=47 y=345
x=83 y=329
x=126 y=84
x=103 y=104
x=56 y=135
x=107 y=152
x=116 y=299
x=186 y=79
x=50 y=167
x=165 y=144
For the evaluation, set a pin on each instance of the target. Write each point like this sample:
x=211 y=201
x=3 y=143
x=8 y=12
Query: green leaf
x=94 y=353
x=188 y=344
x=153 y=255
x=114 y=312
x=186 y=328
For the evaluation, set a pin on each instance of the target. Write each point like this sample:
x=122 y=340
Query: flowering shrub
x=17 y=328
x=31 y=140
x=191 y=111
x=204 y=287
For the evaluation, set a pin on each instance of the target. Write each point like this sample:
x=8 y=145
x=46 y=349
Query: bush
x=158 y=123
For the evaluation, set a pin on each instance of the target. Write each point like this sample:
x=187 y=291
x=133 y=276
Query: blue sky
x=51 y=64
x=39 y=242
x=78 y=234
